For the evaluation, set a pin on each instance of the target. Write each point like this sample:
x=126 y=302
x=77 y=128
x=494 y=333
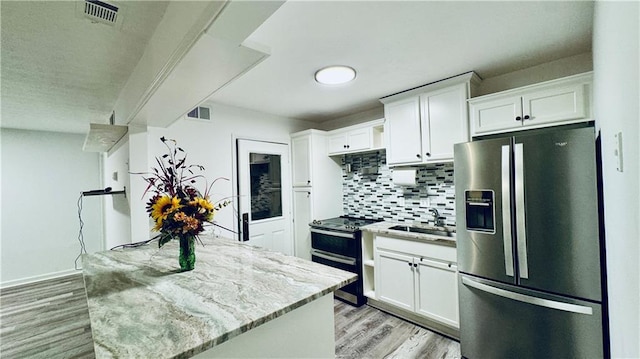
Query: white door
x=403 y=131
x=395 y=283
x=264 y=195
x=437 y=292
x=446 y=113
x=301 y=153
x=302 y=204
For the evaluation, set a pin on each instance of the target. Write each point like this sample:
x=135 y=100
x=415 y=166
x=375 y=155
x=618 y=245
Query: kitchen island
x=239 y=301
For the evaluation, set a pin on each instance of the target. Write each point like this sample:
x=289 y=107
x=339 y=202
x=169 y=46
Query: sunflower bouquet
x=178 y=209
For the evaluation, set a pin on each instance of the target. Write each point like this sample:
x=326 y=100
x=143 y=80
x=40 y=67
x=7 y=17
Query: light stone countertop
x=384 y=228
x=141 y=306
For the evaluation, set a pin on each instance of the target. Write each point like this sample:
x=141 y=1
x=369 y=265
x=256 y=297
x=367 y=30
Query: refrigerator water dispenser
x=480 y=210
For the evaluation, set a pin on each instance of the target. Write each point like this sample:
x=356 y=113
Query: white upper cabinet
x=565 y=100
x=446 y=113
x=301 y=155
x=359 y=138
x=423 y=124
x=402 y=128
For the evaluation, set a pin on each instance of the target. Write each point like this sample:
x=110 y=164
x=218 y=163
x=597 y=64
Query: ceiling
x=60 y=71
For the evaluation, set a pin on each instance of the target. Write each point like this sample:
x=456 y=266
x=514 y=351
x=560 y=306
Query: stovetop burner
x=343 y=223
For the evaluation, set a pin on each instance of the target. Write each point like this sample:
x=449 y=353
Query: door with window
x=264 y=198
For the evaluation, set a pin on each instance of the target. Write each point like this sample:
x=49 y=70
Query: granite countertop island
x=141 y=305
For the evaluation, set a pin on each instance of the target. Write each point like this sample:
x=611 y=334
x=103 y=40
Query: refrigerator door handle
x=567 y=307
x=506 y=211
x=520 y=212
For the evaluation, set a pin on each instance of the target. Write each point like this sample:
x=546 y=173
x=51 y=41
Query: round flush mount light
x=335 y=75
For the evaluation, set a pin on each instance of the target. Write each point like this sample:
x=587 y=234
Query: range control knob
x=316 y=222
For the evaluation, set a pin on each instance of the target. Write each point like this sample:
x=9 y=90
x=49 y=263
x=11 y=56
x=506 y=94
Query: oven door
x=351 y=292
x=341 y=243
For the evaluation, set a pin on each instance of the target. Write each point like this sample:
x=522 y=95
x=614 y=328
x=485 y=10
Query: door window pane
x=266 y=186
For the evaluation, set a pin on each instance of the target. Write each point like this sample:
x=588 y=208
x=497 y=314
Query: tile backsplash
x=368 y=190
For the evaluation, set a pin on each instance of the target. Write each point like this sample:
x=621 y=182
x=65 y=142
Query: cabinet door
x=402 y=128
x=359 y=139
x=394 y=279
x=337 y=143
x=496 y=115
x=554 y=104
x=302 y=216
x=445 y=111
x=437 y=291
x=301 y=155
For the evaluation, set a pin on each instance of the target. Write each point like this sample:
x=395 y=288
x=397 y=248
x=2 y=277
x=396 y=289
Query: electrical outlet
x=114 y=176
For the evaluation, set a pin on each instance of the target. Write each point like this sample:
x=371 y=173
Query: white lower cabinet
x=437 y=291
x=396 y=279
x=418 y=277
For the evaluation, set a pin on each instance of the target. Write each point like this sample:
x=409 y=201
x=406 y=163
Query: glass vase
x=187 y=257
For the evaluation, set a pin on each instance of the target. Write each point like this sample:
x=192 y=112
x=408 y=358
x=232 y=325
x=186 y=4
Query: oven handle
x=332 y=233
x=333 y=258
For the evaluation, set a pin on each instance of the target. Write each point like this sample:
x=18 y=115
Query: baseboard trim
x=416 y=319
x=39 y=278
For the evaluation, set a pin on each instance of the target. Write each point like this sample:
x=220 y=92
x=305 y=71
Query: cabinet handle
x=309 y=182
x=418 y=155
x=415 y=265
x=428 y=154
x=308 y=194
x=526 y=117
x=344 y=146
x=409 y=264
x=518 y=118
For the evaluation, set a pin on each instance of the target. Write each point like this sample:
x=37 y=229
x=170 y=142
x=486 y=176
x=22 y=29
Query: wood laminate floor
x=366 y=332
x=50 y=319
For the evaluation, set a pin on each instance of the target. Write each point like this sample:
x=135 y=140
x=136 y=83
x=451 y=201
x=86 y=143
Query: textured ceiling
x=398 y=45
x=60 y=71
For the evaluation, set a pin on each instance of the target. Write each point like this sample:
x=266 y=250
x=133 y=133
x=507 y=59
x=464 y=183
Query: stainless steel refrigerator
x=528 y=243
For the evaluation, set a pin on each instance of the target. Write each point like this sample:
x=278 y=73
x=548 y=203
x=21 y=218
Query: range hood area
x=101 y=137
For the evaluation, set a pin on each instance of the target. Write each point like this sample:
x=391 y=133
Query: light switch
x=618 y=151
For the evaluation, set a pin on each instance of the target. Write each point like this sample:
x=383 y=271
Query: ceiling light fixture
x=335 y=75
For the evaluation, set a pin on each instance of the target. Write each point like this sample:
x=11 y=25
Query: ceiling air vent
x=200 y=113
x=101 y=11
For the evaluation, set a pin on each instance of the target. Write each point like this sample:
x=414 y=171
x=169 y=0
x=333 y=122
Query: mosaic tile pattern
x=368 y=191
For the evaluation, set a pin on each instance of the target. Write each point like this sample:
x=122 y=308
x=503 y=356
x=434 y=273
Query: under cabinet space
x=369 y=282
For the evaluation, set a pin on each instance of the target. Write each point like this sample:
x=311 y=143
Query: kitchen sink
x=433 y=231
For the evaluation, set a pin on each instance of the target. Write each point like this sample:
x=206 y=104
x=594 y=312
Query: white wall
x=43 y=174
x=617 y=109
x=564 y=67
x=210 y=144
x=117 y=213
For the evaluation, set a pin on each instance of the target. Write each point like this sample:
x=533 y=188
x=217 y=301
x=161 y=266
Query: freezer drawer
x=503 y=321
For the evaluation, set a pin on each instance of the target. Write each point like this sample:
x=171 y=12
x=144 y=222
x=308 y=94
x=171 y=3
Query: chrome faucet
x=437 y=221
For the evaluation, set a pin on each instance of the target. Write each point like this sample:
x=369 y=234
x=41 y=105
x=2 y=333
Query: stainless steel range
x=337 y=242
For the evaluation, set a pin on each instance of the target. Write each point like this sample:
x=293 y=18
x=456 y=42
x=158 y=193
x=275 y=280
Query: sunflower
x=203 y=203
x=163 y=206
